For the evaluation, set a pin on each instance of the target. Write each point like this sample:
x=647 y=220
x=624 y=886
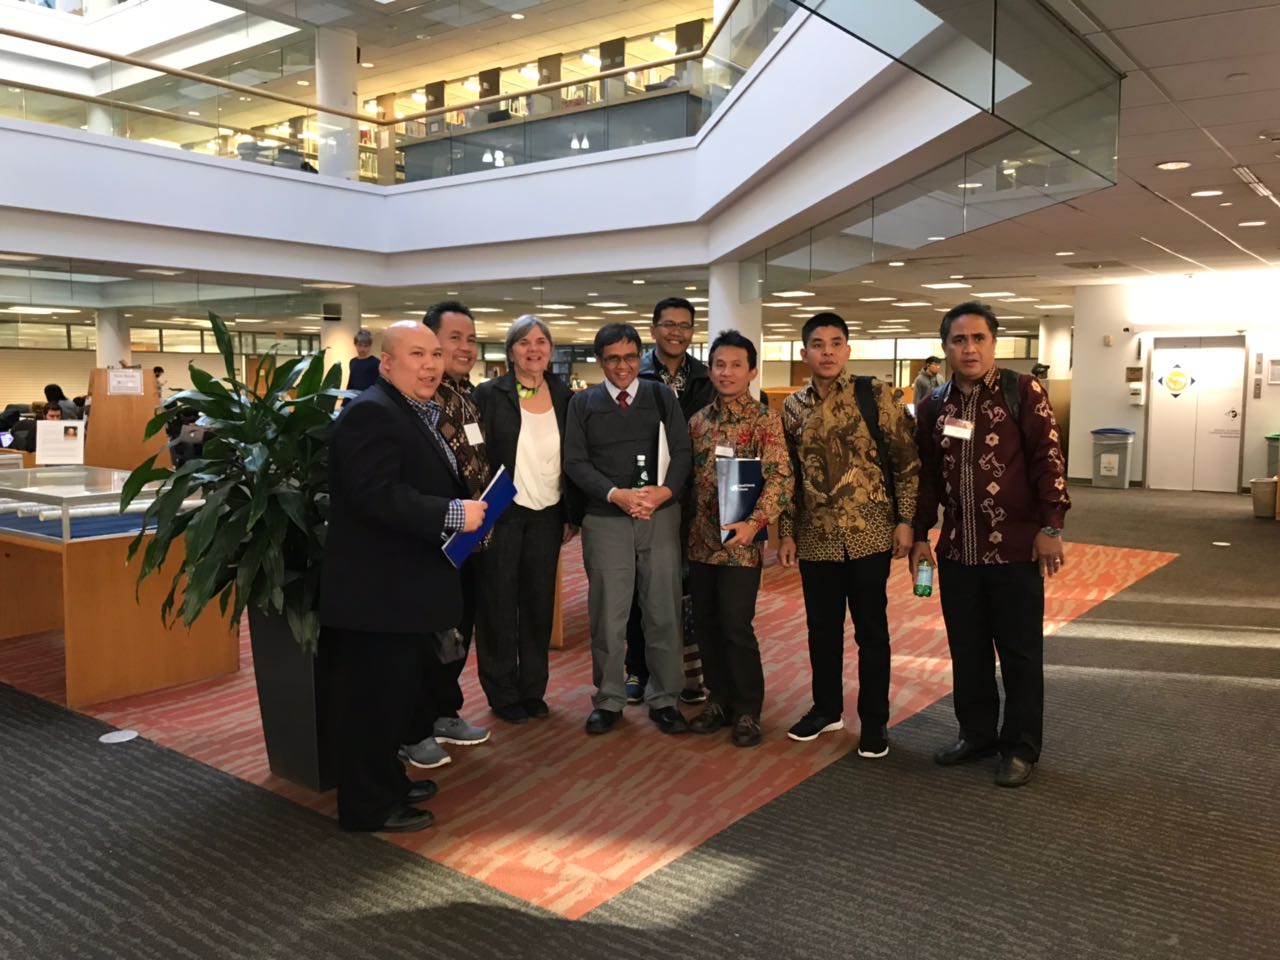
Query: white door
x=1197 y=407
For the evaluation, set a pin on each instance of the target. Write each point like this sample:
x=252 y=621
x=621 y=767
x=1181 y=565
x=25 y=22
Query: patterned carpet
x=566 y=822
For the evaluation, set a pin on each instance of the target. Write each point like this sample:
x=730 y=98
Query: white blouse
x=537 y=475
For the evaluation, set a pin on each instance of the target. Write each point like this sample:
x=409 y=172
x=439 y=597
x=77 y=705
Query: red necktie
x=623 y=402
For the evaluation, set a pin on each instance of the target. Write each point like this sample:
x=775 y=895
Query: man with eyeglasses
x=631 y=530
x=669 y=362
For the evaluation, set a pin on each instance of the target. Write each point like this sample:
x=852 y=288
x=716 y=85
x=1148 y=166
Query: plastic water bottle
x=640 y=475
x=924 y=579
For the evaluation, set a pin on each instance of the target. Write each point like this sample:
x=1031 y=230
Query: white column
x=1055 y=346
x=336 y=72
x=337 y=337
x=99 y=119
x=726 y=311
x=113 y=339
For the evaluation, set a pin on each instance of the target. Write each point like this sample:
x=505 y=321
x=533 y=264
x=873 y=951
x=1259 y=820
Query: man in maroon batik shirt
x=1001 y=481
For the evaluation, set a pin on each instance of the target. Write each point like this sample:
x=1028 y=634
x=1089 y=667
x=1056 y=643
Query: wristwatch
x=1051 y=531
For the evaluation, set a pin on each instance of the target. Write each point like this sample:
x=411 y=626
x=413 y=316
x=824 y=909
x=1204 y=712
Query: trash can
x=1264 y=497
x=1273 y=454
x=1111 y=449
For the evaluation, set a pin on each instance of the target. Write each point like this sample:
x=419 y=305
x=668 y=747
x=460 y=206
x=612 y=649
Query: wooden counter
x=115 y=645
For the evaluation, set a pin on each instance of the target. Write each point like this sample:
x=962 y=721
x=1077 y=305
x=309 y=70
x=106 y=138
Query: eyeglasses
x=668 y=325
x=618 y=360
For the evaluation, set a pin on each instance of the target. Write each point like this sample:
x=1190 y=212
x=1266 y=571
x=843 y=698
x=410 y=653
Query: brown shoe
x=746 y=732
x=711 y=719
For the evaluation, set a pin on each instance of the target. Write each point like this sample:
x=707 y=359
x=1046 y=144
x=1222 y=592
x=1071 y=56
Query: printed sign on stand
x=59 y=442
x=124 y=383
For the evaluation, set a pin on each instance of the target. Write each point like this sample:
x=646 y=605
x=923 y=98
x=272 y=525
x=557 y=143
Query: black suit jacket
x=499 y=407
x=390 y=484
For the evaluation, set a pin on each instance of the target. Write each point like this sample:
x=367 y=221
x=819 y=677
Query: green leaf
x=223 y=339
x=144 y=473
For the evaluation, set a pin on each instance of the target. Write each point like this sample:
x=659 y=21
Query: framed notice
x=59 y=442
x=1273 y=371
x=124 y=383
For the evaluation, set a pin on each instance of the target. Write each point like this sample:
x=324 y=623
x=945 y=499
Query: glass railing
x=1012 y=58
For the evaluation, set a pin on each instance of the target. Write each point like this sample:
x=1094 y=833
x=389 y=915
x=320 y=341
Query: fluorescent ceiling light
x=1055 y=306
x=912 y=303
x=792 y=293
x=691 y=288
x=545 y=315
x=967 y=185
x=1065 y=253
x=638 y=282
x=997 y=293
x=1012 y=316
x=1206 y=193
x=591 y=60
x=159 y=272
x=366 y=64
x=517 y=16
x=558 y=306
x=620 y=313
x=1019 y=299
x=329 y=286
x=1173 y=165
x=18 y=257
x=587 y=317
x=486 y=309
x=37 y=311
x=816 y=308
x=935 y=238
x=782 y=303
x=665 y=43
x=605 y=303
x=951 y=285
x=1252 y=223
x=698 y=299
x=896 y=263
x=304 y=83
x=875 y=299
x=564 y=323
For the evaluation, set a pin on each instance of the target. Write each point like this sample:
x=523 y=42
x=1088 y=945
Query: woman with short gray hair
x=523 y=412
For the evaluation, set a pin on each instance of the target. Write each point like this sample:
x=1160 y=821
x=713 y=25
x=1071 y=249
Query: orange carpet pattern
x=566 y=821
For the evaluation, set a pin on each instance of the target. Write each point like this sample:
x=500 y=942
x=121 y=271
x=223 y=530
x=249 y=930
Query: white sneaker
x=427 y=754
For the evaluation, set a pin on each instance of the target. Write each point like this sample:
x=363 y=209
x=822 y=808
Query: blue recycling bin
x=1112 y=449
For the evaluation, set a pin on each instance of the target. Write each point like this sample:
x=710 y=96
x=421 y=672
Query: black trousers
x=724 y=606
x=860 y=585
x=516 y=594
x=441 y=689
x=379 y=688
x=990 y=609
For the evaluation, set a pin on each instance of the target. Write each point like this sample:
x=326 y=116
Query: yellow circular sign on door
x=1177 y=380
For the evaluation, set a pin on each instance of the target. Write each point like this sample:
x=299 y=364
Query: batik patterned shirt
x=748 y=428
x=998 y=488
x=454 y=397
x=841 y=509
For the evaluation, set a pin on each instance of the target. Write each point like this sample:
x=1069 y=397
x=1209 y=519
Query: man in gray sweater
x=631 y=530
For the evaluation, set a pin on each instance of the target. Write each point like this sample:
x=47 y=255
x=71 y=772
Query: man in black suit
x=394 y=495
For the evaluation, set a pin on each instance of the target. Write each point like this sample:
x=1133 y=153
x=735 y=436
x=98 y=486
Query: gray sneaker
x=428 y=754
x=456 y=730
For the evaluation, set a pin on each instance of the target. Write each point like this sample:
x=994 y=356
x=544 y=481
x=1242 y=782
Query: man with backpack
x=991 y=458
x=856 y=468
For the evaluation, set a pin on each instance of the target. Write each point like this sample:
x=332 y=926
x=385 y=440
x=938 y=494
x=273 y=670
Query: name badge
x=475 y=437
x=960 y=429
x=724 y=452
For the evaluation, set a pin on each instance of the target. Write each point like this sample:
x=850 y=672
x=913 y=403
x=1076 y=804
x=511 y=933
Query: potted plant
x=256 y=540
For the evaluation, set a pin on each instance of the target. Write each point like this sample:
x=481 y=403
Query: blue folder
x=498 y=495
x=738 y=486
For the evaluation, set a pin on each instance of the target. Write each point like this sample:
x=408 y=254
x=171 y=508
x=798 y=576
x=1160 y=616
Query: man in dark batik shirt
x=1000 y=479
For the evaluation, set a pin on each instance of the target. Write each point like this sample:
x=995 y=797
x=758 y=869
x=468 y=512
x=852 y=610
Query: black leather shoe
x=669 y=720
x=537 y=709
x=407 y=819
x=512 y=713
x=420 y=791
x=963 y=751
x=602 y=721
x=1014 y=772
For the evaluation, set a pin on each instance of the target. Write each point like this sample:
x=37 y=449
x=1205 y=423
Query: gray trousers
x=622 y=556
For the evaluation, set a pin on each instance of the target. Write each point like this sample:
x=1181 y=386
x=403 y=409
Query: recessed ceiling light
x=1206 y=193
x=158 y=271
x=544 y=315
x=517 y=16
x=586 y=316
x=967 y=185
x=18 y=257
x=697 y=299
x=912 y=303
x=366 y=64
x=486 y=309
x=564 y=323
x=1012 y=316
x=1019 y=299
x=535 y=288
x=620 y=313
x=1065 y=253
x=605 y=303
x=792 y=293
x=557 y=306
x=691 y=288
x=997 y=293
x=957 y=276
x=874 y=299
x=1226 y=203
x=935 y=238
x=1054 y=306
x=370 y=316
x=304 y=83
x=193 y=113
x=244 y=99
x=867 y=281
x=1252 y=223
x=1173 y=165
x=638 y=282
x=782 y=303
x=333 y=286
x=896 y=263
x=951 y=285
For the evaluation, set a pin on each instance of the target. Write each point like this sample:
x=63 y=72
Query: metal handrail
x=362 y=118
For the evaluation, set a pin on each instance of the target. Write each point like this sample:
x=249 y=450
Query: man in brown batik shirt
x=991 y=457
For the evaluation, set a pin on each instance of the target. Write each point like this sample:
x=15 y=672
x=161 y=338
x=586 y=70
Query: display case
x=64 y=549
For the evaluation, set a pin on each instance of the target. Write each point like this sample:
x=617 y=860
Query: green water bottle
x=924 y=579
x=640 y=475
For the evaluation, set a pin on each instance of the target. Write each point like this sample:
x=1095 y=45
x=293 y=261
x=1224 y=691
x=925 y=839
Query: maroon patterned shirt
x=998 y=488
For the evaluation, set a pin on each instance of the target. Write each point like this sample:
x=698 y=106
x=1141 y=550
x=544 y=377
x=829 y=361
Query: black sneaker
x=812 y=725
x=711 y=719
x=746 y=732
x=693 y=695
x=873 y=742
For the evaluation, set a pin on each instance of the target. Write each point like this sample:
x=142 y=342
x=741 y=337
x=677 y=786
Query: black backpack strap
x=936 y=399
x=870 y=410
x=1010 y=381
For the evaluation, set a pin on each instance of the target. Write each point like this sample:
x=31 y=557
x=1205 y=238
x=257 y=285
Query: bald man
x=387 y=590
